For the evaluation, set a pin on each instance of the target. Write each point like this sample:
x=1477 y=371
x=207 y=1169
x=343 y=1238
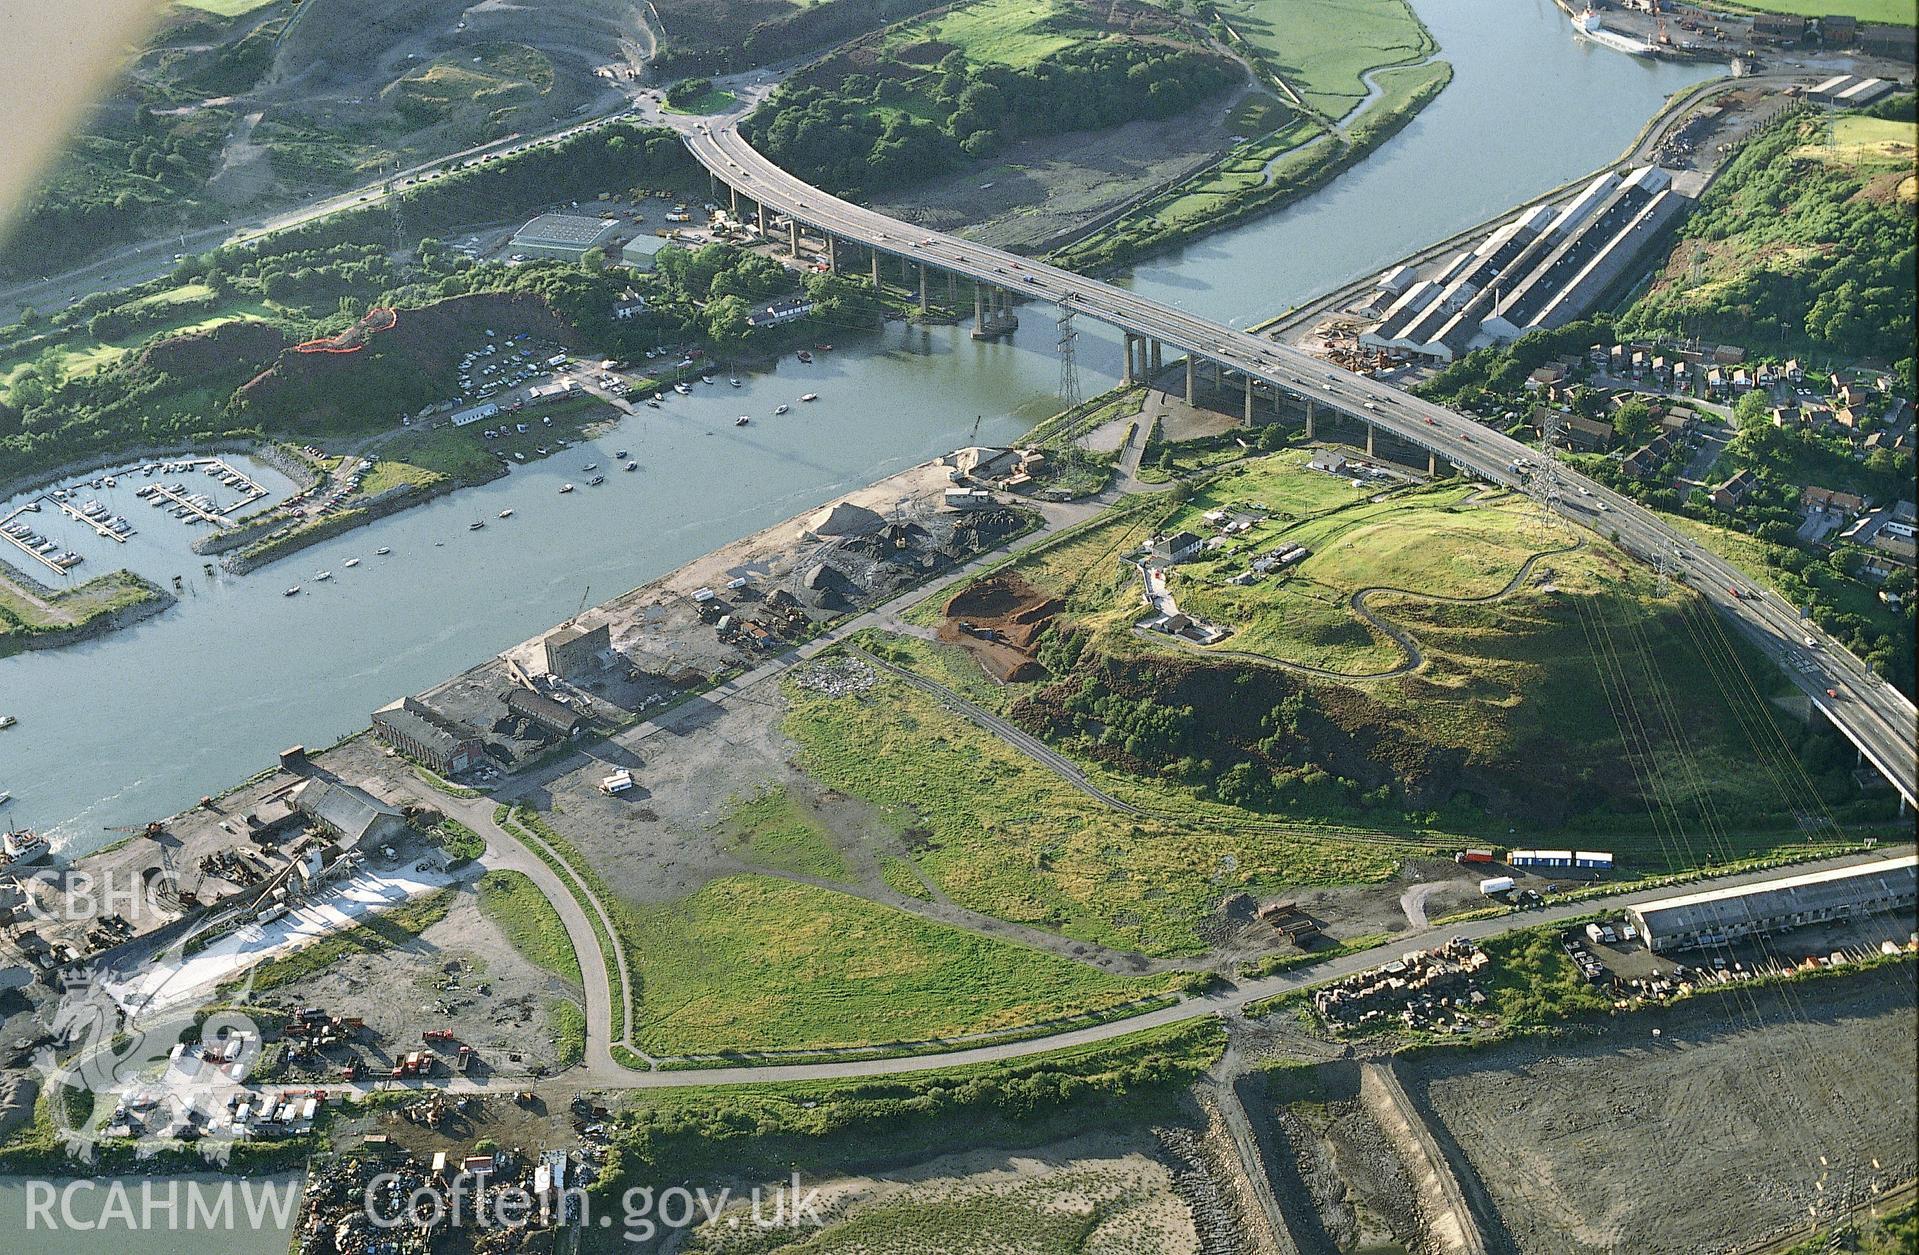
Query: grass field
x=518 y=908
x=567 y=1022
x=710 y=102
x=1323 y=47
x=754 y=962
x=1010 y=32
x=772 y=830
x=1401 y=89
x=76 y=353
x=1583 y=647
x=1007 y=837
x=387 y=930
x=74 y=608
x=1896 y=12
x=226 y=8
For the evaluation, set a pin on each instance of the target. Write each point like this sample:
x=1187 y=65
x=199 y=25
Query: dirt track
x=1706 y=1138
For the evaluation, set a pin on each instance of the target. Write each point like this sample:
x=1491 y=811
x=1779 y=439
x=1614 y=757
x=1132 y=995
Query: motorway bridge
x=1874 y=716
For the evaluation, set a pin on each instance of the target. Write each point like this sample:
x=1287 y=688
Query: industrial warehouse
x=1542 y=270
x=566 y=236
x=1717 y=916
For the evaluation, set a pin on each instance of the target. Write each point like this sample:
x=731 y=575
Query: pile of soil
x=1007 y=617
x=401 y=370
x=240 y=348
x=1237 y=717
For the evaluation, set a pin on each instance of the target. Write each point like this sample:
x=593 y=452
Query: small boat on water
x=804 y=356
x=7 y=721
x=811 y=396
x=681 y=388
x=5 y=797
x=475 y=525
x=596 y=481
x=654 y=402
x=566 y=488
x=781 y=409
x=631 y=466
x=112 y=482
x=741 y=421
x=291 y=591
x=383 y=551
x=735 y=381
x=324 y=575
x=621 y=454
x=518 y=456
x=591 y=466
x=507 y=513
x=708 y=380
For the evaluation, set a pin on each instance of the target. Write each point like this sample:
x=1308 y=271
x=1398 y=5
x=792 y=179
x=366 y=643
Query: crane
x=581 y=608
x=155 y=832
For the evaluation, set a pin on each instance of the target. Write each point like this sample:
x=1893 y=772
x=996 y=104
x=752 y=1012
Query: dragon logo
x=153 y=1079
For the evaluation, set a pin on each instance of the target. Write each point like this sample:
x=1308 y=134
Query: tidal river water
x=141 y=723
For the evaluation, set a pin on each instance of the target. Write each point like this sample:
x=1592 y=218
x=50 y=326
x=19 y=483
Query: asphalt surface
x=1874 y=716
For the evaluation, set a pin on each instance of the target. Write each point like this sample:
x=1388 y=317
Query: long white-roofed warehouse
x=566 y=236
x=1716 y=916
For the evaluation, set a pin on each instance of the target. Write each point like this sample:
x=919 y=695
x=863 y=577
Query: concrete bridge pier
x=762 y=213
x=832 y=254
x=922 y=287
x=733 y=199
x=992 y=312
x=793 y=237
x=1432 y=465
x=952 y=288
x=1309 y=418
x=1248 y=418
x=1370 y=432
x=1191 y=380
x=876 y=272
x=1156 y=365
x=1126 y=376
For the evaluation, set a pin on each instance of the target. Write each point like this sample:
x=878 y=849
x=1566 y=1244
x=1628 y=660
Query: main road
x=1873 y=715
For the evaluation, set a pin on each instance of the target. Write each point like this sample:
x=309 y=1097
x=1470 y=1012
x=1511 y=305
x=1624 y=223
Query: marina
x=41 y=549
x=96 y=516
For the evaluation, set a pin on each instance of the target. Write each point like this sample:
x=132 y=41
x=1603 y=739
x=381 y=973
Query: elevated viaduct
x=1878 y=719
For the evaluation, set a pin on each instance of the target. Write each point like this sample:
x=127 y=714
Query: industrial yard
x=1740 y=1115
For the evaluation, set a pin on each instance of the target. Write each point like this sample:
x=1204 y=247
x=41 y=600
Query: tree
x=1633 y=422
x=726 y=319
x=593 y=260
x=688 y=91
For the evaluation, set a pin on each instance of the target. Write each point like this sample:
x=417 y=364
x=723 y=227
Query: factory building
x=640 y=251
x=543 y=711
x=351 y=815
x=573 y=652
x=1850 y=91
x=1716 y=916
x=424 y=735
x=565 y=236
x=1542 y=270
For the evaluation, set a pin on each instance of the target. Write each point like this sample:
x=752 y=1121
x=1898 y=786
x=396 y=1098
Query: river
x=139 y=724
